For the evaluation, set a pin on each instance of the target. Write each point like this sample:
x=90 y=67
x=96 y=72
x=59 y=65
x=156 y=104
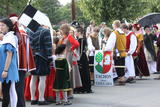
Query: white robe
x=112 y=41
x=91 y=48
x=129 y=63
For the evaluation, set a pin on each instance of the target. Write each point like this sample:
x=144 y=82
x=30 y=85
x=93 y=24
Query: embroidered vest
x=121 y=43
x=128 y=41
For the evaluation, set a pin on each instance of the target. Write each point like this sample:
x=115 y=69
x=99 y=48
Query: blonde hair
x=117 y=23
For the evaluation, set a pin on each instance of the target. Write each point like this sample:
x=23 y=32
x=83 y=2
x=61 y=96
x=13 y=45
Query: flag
x=33 y=18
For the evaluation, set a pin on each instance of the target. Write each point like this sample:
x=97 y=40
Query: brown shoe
x=122 y=81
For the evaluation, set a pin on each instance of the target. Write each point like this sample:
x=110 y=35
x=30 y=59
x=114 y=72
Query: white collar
x=10 y=38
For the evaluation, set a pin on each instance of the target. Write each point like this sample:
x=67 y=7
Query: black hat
x=8 y=22
x=75 y=24
x=60 y=49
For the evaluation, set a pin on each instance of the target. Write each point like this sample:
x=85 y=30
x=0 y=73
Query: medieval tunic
x=83 y=67
x=71 y=45
x=131 y=45
x=141 y=67
x=26 y=60
x=117 y=39
x=150 y=51
x=41 y=44
x=62 y=78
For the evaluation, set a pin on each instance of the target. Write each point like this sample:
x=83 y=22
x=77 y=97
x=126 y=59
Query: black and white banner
x=33 y=18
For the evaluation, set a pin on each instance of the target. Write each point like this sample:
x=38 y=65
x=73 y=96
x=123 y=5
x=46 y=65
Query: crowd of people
x=41 y=67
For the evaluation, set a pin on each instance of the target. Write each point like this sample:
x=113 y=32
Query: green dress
x=62 y=79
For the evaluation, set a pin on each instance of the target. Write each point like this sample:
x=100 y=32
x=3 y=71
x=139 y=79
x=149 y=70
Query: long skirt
x=74 y=74
x=141 y=67
x=85 y=74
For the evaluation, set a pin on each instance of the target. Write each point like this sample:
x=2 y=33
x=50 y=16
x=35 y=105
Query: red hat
x=155 y=26
x=137 y=26
x=13 y=15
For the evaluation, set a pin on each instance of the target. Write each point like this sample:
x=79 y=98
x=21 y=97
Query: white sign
x=103 y=74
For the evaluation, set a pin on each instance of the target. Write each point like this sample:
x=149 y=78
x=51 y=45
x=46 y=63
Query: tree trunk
x=73 y=9
x=7 y=8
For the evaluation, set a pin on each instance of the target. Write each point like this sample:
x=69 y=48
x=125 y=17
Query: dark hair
x=130 y=26
x=60 y=49
x=8 y=22
x=146 y=27
x=124 y=26
x=80 y=29
x=55 y=40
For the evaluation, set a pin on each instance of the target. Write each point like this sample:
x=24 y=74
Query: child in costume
x=62 y=79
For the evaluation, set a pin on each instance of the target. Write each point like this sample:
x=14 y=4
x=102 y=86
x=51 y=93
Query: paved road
x=144 y=93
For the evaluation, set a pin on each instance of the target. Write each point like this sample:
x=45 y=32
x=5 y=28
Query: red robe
x=24 y=62
x=141 y=67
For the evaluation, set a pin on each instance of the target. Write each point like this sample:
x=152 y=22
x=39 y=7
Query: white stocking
x=13 y=95
x=33 y=87
x=41 y=87
x=57 y=96
x=65 y=96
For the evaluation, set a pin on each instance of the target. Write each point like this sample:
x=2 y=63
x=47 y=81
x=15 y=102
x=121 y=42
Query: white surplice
x=129 y=63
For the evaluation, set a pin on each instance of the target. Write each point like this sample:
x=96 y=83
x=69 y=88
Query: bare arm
x=7 y=64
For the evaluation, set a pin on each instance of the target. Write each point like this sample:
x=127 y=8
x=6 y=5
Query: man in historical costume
x=26 y=61
x=41 y=44
x=141 y=67
x=149 y=49
x=90 y=28
x=93 y=45
x=117 y=40
x=131 y=44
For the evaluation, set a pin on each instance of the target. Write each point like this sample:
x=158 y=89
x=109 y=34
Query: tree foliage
x=98 y=10
x=154 y=5
x=108 y=10
x=49 y=7
x=11 y=6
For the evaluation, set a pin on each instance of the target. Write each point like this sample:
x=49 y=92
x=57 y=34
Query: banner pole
x=29 y=2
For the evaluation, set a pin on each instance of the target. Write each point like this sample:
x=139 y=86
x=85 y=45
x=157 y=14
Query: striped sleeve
x=47 y=43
